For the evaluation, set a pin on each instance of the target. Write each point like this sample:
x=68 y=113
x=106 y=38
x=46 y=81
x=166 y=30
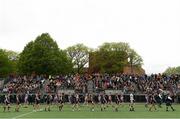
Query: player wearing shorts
x=131 y=105
x=121 y=99
x=74 y=103
x=26 y=98
x=152 y=101
x=117 y=101
x=159 y=100
x=103 y=102
x=86 y=99
x=61 y=100
x=110 y=99
x=37 y=101
x=147 y=100
x=99 y=98
x=55 y=100
x=17 y=102
x=7 y=103
x=48 y=99
x=91 y=102
x=169 y=103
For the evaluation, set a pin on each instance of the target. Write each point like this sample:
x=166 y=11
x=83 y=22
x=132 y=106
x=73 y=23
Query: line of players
x=74 y=99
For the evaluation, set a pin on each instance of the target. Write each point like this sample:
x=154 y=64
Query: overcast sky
x=151 y=27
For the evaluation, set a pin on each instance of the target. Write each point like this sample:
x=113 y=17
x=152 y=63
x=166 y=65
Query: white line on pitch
x=19 y=116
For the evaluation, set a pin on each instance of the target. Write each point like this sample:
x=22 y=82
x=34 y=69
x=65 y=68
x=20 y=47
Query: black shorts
x=48 y=102
x=90 y=101
x=6 y=103
x=103 y=102
x=61 y=101
x=168 y=104
x=37 y=102
x=117 y=102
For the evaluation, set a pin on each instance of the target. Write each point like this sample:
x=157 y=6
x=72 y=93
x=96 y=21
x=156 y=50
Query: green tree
x=13 y=57
x=5 y=64
x=172 y=70
x=43 y=56
x=79 y=55
x=134 y=59
x=113 y=57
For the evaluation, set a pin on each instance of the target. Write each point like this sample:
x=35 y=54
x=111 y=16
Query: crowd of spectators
x=126 y=83
x=95 y=82
x=23 y=84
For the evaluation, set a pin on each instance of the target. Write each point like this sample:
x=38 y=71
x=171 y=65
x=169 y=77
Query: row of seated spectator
x=126 y=83
x=96 y=82
x=23 y=84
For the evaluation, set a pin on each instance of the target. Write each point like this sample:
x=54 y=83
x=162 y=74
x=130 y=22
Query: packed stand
x=24 y=84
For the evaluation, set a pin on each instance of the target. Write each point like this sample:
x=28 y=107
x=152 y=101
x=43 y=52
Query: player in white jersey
x=55 y=100
x=86 y=99
x=7 y=103
x=131 y=105
x=147 y=100
x=26 y=100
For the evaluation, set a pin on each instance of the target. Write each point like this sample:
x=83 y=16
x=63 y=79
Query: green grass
x=140 y=112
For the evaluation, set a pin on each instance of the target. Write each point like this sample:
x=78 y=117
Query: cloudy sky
x=151 y=27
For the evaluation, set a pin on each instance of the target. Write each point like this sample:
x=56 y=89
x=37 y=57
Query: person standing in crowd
x=48 y=99
x=152 y=102
x=61 y=100
x=7 y=103
x=17 y=103
x=131 y=105
x=169 y=103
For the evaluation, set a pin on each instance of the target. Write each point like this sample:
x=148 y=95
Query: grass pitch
x=140 y=112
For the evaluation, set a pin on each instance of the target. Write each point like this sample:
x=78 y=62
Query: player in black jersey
x=37 y=101
x=61 y=100
x=91 y=102
x=117 y=102
x=48 y=100
x=169 y=103
x=152 y=101
x=102 y=102
x=74 y=103
x=7 y=103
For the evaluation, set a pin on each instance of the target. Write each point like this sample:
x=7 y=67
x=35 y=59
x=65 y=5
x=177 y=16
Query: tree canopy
x=6 y=66
x=113 y=57
x=43 y=56
x=79 y=55
x=172 y=70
